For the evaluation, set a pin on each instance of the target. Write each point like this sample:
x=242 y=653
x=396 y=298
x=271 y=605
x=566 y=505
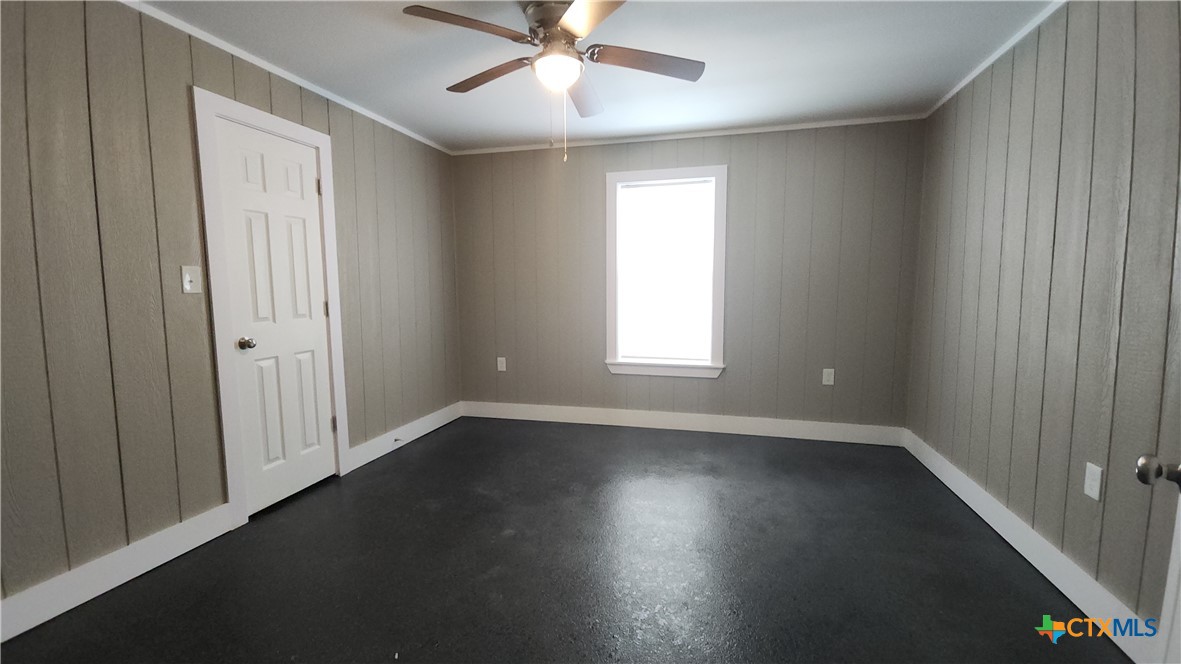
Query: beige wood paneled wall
x=820 y=244
x=1047 y=300
x=110 y=424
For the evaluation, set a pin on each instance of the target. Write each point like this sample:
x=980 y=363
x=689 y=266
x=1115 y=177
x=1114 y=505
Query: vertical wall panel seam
x=537 y=272
x=808 y=290
x=492 y=253
x=898 y=322
x=357 y=241
x=980 y=265
x=457 y=311
x=203 y=256
x=933 y=214
x=1123 y=284
x=963 y=253
x=947 y=134
x=783 y=263
x=454 y=251
x=193 y=78
x=874 y=218
x=106 y=299
x=1082 y=277
x=836 y=303
x=156 y=227
x=930 y=127
x=1053 y=250
x=778 y=285
x=377 y=247
x=1024 y=247
x=980 y=262
x=40 y=305
x=1000 y=254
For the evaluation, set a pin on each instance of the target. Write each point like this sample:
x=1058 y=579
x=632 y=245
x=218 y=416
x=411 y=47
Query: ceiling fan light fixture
x=557 y=70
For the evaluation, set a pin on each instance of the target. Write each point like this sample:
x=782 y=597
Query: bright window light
x=666 y=235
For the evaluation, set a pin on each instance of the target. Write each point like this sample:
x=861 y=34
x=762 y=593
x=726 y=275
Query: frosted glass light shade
x=557 y=71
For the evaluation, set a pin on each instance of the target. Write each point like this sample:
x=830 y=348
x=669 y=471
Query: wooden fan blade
x=657 y=63
x=582 y=16
x=586 y=101
x=470 y=23
x=489 y=75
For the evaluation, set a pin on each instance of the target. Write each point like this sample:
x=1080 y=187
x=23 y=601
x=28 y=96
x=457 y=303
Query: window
x=666 y=248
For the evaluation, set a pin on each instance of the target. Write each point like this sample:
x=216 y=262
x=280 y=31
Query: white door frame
x=208 y=109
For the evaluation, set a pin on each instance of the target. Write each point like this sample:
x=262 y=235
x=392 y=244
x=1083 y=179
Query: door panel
x=275 y=261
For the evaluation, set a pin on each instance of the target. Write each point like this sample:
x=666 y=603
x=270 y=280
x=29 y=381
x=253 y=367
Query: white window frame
x=657 y=368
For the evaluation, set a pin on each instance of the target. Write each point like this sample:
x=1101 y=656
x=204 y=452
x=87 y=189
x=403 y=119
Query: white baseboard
x=652 y=419
x=29 y=608
x=355 y=457
x=1079 y=587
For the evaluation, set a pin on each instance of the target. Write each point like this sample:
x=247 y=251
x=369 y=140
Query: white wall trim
x=48 y=599
x=716 y=175
x=193 y=30
x=355 y=457
x=1004 y=48
x=653 y=419
x=183 y=26
x=1074 y=582
x=31 y=607
x=1080 y=587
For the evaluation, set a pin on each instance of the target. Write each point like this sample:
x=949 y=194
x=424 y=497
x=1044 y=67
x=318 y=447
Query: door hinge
x=326 y=308
x=333 y=424
x=319 y=190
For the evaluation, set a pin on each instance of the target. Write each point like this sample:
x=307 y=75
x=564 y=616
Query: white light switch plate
x=1093 y=483
x=828 y=377
x=191 y=280
x=501 y=364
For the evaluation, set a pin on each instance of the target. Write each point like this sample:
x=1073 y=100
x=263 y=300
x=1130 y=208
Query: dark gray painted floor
x=522 y=541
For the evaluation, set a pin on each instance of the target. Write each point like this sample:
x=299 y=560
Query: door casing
x=208 y=108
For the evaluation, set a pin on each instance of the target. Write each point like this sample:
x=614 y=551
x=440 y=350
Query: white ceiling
x=767 y=63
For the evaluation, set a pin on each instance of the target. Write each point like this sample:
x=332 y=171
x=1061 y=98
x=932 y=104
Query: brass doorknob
x=246 y=343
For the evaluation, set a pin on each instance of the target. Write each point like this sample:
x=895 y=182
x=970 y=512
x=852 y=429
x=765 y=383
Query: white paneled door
x=273 y=258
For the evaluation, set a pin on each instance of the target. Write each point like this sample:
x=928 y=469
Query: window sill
x=675 y=370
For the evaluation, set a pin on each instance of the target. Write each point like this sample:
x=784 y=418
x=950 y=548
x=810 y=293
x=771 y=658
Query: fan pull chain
x=564 y=113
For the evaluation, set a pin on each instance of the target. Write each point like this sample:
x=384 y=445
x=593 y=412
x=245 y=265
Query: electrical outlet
x=1093 y=483
x=501 y=364
x=828 y=377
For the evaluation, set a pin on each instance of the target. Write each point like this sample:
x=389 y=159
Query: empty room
x=590 y=331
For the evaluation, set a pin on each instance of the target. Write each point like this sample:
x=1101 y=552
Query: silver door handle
x=246 y=343
x=1149 y=469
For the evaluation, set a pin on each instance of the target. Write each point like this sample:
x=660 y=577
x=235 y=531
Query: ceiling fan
x=557 y=27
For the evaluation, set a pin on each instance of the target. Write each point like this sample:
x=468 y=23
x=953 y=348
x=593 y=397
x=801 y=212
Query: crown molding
x=184 y=26
x=1004 y=48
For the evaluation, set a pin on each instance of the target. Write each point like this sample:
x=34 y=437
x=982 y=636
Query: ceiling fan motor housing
x=543 y=20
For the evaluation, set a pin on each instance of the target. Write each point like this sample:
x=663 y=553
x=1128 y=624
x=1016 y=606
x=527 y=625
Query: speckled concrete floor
x=526 y=542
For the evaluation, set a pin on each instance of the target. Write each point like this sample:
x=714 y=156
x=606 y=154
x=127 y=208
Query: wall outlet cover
x=501 y=364
x=1093 y=482
x=828 y=377
x=191 y=280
